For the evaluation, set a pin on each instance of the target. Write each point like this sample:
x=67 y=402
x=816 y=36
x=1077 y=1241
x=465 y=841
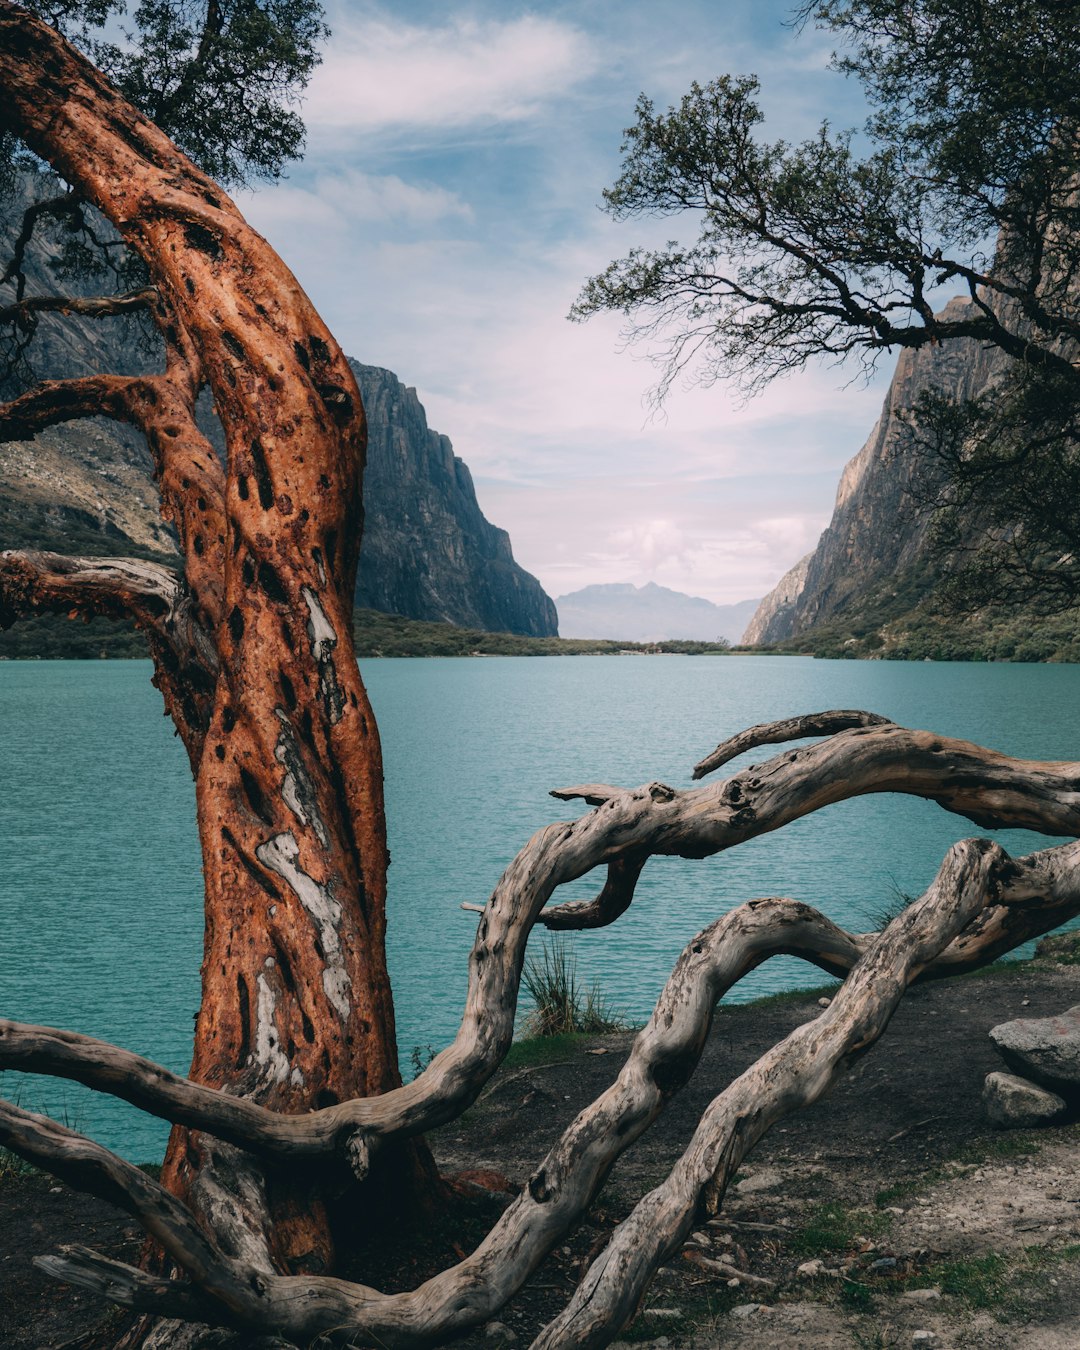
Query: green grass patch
x=786 y=996
x=833 y=1227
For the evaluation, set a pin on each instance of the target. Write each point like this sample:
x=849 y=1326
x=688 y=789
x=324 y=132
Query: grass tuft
x=561 y=1005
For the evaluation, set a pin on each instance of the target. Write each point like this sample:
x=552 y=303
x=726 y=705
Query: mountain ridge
x=648 y=613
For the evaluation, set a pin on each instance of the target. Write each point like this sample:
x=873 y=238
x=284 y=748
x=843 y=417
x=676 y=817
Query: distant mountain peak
x=648 y=613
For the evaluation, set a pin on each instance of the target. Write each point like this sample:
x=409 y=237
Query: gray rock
x=1044 y=1049
x=1016 y=1103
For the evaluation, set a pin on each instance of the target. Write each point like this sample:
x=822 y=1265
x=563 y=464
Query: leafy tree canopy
x=222 y=78
x=964 y=177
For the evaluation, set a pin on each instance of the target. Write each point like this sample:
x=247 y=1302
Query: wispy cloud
x=348 y=197
x=386 y=74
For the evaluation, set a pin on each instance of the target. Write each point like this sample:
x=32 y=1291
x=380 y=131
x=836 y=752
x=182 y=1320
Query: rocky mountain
x=870 y=563
x=648 y=613
x=428 y=551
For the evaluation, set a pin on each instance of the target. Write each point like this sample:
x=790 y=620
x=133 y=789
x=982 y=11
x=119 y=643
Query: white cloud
x=383 y=73
x=346 y=198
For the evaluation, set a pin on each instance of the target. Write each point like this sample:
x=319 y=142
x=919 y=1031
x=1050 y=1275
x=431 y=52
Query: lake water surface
x=100 y=906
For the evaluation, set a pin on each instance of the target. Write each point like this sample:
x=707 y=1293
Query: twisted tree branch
x=86 y=306
x=790 y=729
x=147 y=593
x=794 y=1073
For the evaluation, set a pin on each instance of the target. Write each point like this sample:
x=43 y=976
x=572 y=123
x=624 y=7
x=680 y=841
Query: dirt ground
x=916 y=1224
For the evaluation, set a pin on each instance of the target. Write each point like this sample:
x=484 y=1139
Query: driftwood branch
x=605 y=908
x=790 y=729
x=655 y=819
x=981 y=904
x=661 y=1060
x=794 y=1073
x=118 y=1282
x=89 y=1167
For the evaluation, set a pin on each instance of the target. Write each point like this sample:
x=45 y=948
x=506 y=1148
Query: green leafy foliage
x=965 y=175
x=221 y=77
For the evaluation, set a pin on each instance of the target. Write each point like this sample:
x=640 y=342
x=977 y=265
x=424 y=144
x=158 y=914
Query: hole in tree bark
x=242 y=487
x=262 y=475
x=302 y=355
x=228 y=719
x=309 y=1030
x=244 y=1001
x=248 y=572
x=270 y=584
x=319 y=349
x=234 y=345
x=288 y=691
x=190 y=285
x=203 y=240
x=256 y=798
x=236 y=624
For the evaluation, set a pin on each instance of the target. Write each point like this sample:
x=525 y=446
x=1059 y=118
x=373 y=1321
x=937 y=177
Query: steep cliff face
x=877 y=534
x=428 y=552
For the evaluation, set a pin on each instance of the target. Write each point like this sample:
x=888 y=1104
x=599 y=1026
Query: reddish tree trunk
x=296 y=1009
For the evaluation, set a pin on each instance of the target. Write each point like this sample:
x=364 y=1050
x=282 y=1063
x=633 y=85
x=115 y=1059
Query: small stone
x=747 y=1310
x=701 y=1238
x=885 y=1263
x=811 y=1270
x=763 y=1180
x=894 y=1209
x=922 y=1340
x=498 y=1333
x=1015 y=1103
x=824 y=1002
x=923 y=1295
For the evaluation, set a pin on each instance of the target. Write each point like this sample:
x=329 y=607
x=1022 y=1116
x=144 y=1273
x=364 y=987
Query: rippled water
x=100 y=913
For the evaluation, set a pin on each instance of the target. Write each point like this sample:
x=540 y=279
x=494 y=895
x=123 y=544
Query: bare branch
x=87 y=307
x=796 y=1072
x=120 y=1283
x=89 y=1167
x=150 y=595
x=790 y=729
x=55 y=401
x=613 y=900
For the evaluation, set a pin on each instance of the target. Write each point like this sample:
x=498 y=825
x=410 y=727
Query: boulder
x=1044 y=1049
x=1014 y=1103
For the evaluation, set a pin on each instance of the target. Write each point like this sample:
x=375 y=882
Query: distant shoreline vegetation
x=53 y=637
x=921 y=638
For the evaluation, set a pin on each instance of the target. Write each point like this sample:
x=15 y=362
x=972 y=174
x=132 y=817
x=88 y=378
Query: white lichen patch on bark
x=320 y=629
x=280 y=855
x=268 y=1053
x=297 y=789
x=324 y=639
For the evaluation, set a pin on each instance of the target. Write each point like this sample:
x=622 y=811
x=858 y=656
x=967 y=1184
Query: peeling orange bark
x=296 y=1010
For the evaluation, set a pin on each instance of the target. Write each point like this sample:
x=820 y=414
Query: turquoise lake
x=100 y=909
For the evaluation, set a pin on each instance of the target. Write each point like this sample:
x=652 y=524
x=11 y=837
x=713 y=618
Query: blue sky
x=443 y=220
